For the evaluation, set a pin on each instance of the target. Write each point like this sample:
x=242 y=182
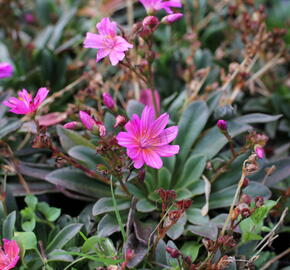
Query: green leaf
x=76 y=180
x=7 y=128
x=27 y=239
x=69 y=138
x=50 y=213
x=28 y=219
x=164 y=177
x=145 y=206
x=257 y=118
x=59 y=27
x=104 y=246
x=108 y=225
x=194 y=216
x=86 y=156
x=224 y=197
x=213 y=141
x=193 y=169
x=106 y=205
x=31 y=201
x=178 y=228
x=65 y=235
x=59 y=255
x=281 y=172
x=191 y=249
x=190 y=125
x=136 y=191
x=8 y=225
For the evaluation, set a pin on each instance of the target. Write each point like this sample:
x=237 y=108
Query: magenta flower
x=108 y=101
x=152 y=6
x=222 y=124
x=91 y=124
x=260 y=152
x=171 y=18
x=6 y=70
x=25 y=103
x=9 y=254
x=146 y=98
x=107 y=42
x=147 y=139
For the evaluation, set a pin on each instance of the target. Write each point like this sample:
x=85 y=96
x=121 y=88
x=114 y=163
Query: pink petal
x=51 y=119
x=133 y=126
x=122 y=44
x=165 y=137
x=138 y=163
x=102 y=53
x=152 y=159
x=126 y=140
x=87 y=120
x=40 y=97
x=167 y=150
x=147 y=119
x=116 y=57
x=11 y=248
x=106 y=27
x=94 y=41
x=159 y=124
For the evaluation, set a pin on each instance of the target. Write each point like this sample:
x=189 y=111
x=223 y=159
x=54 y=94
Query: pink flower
x=147 y=98
x=147 y=139
x=108 y=101
x=10 y=255
x=107 y=42
x=260 y=152
x=6 y=70
x=91 y=124
x=25 y=103
x=171 y=18
x=222 y=124
x=152 y=6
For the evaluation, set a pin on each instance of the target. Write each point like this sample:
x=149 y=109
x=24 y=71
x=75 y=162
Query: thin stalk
x=237 y=194
x=117 y=213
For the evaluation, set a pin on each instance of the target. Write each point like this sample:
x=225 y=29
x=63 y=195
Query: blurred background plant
x=224 y=60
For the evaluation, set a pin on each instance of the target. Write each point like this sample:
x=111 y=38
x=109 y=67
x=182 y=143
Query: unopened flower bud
x=173 y=252
x=108 y=101
x=130 y=254
x=171 y=18
x=72 y=125
x=260 y=152
x=259 y=201
x=150 y=22
x=246 y=212
x=222 y=125
x=120 y=121
x=245 y=198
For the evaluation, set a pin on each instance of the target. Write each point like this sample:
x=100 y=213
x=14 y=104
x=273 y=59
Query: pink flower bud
x=172 y=18
x=6 y=70
x=151 y=22
x=71 y=125
x=87 y=120
x=222 y=124
x=30 y=18
x=102 y=129
x=260 y=152
x=147 y=98
x=120 y=121
x=108 y=101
